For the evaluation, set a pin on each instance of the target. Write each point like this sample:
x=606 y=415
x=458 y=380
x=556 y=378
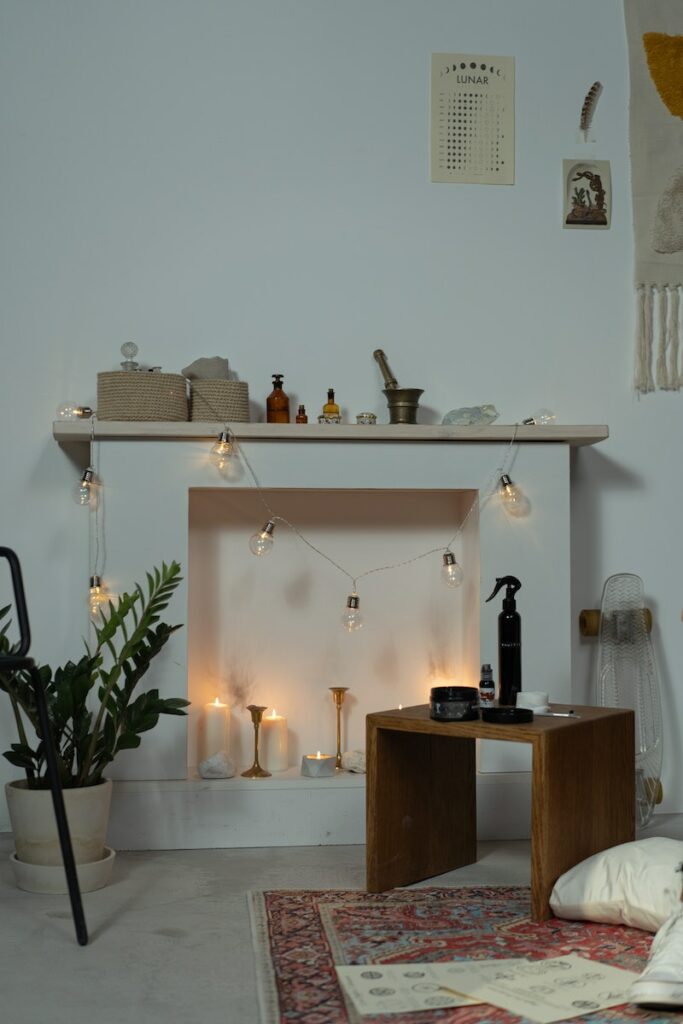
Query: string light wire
x=478 y=503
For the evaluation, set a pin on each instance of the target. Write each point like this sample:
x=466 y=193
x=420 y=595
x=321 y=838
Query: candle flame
x=400 y=707
x=318 y=754
x=273 y=714
x=218 y=703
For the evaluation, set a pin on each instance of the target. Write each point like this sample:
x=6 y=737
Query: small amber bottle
x=330 y=407
x=301 y=416
x=277 y=402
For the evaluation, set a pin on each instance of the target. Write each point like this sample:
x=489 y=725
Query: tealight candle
x=273 y=742
x=316 y=766
x=214 y=725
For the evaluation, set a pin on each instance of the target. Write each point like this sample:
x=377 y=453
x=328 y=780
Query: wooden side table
x=421 y=793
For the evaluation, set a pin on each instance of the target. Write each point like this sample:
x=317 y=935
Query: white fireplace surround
x=267 y=630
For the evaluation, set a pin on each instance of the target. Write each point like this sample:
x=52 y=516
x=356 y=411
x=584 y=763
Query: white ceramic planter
x=35 y=829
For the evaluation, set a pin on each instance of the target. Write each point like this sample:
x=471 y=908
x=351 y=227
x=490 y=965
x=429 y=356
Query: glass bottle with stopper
x=277 y=402
x=129 y=350
x=330 y=413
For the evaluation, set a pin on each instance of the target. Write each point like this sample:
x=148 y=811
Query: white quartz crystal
x=218 y=766
x=354 y=761
x=469 y=416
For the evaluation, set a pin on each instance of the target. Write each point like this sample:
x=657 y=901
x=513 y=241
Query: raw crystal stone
x=218 y=766
x=354 y=761
x=471 y=415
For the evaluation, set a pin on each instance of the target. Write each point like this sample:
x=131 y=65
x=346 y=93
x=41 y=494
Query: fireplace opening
x=268 y=630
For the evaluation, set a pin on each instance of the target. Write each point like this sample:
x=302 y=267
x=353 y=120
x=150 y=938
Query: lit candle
x=273 y=742
x=316 y=766
x=214 y=725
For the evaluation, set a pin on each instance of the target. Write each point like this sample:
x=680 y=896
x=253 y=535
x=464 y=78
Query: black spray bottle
x=509 y=641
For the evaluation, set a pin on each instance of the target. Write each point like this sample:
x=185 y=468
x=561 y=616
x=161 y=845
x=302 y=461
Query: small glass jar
x=329 y=418
x=454 y=703
x=367 y=419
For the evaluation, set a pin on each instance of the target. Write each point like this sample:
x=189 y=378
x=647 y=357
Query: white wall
x=250 y=178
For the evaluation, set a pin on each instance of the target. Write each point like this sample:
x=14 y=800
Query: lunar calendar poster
x=473 y=118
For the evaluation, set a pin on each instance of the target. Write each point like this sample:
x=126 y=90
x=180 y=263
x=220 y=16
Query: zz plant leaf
x=93 y=704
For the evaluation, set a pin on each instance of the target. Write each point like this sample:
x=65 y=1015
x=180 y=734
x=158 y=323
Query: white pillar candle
x=273 y=752
x=317 y=766
x=214 y=725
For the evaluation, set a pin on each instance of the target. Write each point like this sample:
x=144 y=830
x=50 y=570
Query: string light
x=261 y=543
x=352 y=620
x=451 y=573
x=85 y=488
x=222 y=449
x=541 y=418
x=72 y=411
x=97 y=597
x=514 y=500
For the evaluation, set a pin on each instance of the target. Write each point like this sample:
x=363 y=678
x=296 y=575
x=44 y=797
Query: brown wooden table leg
x=582 y=801
x=421 y=806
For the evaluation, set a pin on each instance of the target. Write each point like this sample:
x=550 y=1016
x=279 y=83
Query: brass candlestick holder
x=256 y=771
x=338 y=694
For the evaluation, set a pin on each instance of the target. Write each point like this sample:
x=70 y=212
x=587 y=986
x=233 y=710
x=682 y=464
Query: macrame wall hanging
x=655 y=42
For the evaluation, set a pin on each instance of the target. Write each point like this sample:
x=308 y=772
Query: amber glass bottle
x=301 y=416
x=277 y=402
x=330 y=407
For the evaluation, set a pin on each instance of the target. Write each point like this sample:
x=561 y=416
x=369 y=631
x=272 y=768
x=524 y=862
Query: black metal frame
x=18 y=661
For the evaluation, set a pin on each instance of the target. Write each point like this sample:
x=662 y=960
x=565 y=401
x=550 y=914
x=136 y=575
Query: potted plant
x=95 y=711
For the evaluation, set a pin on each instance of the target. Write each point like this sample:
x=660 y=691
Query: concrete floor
x=170 y=939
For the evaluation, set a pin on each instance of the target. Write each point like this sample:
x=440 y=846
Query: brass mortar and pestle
x=402 y=402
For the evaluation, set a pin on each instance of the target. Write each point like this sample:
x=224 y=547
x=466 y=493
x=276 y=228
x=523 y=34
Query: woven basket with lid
x=138 y=395
x=219 y=401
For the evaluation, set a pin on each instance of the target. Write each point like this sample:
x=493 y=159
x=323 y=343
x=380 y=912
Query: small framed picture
x=587 y=194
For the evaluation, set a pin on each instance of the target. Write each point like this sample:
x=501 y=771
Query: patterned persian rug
x=299 y=936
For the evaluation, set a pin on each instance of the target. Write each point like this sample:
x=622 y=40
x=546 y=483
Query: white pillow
x=637 y=884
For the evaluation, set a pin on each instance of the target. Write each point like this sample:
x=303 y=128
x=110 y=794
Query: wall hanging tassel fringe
x=654 y=30
x=674 y=333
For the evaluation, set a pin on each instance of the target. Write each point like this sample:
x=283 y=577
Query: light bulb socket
x=84 y=412
x=268 y=528
x=529 y=421
x=88 y=475
x=353 y=601
x=505 y=481
x=223 y=437
x=449 y=558
x=95 y=581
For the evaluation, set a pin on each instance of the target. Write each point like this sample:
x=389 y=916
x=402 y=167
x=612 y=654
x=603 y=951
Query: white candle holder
x=318 y=766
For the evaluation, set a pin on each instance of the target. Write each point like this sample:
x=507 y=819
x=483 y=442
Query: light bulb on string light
x=352 y=620
x=540 y=418
x=261 y=543
x=515 y=502
x=73 y=411
x=96 y=597
x=451 y=573
x=222 y=449
x=85 y=489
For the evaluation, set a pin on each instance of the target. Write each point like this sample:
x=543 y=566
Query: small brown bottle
x=277 y=402
x=301 y=416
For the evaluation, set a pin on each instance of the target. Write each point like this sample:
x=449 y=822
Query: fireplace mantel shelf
x=66 y=432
